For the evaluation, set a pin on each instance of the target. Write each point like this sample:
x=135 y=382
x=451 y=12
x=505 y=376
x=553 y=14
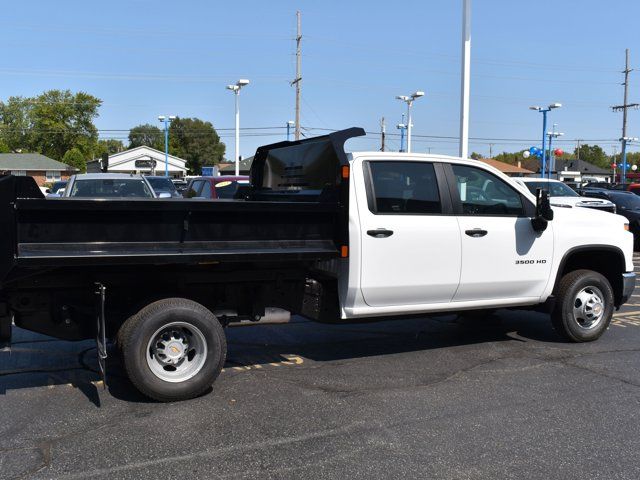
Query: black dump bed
x=295 y=209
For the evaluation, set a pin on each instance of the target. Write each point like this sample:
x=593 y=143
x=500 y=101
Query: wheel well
x=608 y=262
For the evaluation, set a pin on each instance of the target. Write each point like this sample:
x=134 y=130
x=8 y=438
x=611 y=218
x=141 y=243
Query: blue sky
x=145 y=58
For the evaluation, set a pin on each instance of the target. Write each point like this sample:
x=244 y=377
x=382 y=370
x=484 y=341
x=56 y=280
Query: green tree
x=510 y=158
x=196 y=141
x=146 y=135
x=4 y=148
x=61 y=121
x=593 y=154
x=75 y=158
x=16 y=123
x=476 y=155
x=109 y=146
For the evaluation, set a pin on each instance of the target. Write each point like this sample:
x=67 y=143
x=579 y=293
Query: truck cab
x=456 y=234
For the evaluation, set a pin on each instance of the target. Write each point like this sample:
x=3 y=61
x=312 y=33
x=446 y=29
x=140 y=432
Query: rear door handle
x=476 y=232
x=380 y=233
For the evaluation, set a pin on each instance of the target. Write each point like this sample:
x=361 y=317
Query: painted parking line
x=626 y=314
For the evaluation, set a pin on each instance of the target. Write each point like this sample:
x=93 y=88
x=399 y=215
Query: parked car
x=562 y=195
x=181 y=185
x=163 y=185
x=214 y=188
x=56 y=189
x=605 y=185
x=627 y=205
x=110 y=185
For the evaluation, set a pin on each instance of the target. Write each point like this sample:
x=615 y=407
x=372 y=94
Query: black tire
x=563 y=319
x=134 y=337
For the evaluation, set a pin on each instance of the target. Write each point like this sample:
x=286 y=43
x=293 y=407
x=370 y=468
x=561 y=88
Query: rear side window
x=206 y=190
x=403 y=188
x=194 y=189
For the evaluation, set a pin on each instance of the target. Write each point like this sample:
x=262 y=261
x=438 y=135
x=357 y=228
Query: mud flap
x=101 y=335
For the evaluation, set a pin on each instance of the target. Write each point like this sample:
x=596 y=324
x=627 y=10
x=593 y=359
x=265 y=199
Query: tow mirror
x=544 y=212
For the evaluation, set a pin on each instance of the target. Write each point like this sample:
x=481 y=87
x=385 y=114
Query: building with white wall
x=142 y=160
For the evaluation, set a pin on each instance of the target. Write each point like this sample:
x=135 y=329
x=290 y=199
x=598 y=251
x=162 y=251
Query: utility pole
x=491 y=150
x=578 y=140
x=298 y=78
x=383 y=132
x=624 y=107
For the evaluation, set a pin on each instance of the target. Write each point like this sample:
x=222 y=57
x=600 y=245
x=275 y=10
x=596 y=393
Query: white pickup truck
x=320 y=233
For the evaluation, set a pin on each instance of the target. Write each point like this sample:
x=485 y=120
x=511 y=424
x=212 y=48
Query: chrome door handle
x=476 y=232
x=380 y=233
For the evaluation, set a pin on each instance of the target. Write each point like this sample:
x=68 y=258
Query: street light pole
x=402 y=127
x=465 y=80
x=409 y=99
x=166 y=121
x=552 y=158
x=236 y=90
x=544 y=112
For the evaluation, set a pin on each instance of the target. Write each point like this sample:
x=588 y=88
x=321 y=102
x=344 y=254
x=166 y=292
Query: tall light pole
x=243 y=82
x=402 y=127
x=552 y=158
x=409 y=99
x=290 y=124
x=544 y=112
x=166 y=121
x=465 y=80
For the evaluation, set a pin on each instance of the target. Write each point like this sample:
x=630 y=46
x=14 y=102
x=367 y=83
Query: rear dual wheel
x=173 y=349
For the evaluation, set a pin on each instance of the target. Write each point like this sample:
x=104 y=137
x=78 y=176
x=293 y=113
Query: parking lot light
x=409 y=99
x=243 y=82
x=166 y=121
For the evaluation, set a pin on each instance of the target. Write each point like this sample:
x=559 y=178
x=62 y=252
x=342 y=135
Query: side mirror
x=164 y=195
x=48 y=190
x=544 y=212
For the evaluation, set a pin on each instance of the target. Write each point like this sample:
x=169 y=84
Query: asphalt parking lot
x=420 y=398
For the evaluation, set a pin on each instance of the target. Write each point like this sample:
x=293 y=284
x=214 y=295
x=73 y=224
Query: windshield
x=228 y=188
x=555 y=189
x=111 y=188
x=626 y=201
x=162 y=184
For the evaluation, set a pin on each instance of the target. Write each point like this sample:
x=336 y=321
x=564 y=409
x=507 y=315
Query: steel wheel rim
x=589 y=308
x=176 y=352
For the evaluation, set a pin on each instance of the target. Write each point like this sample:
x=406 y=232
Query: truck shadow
x=37 y=361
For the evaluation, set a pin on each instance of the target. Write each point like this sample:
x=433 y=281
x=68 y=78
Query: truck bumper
x=628 y=284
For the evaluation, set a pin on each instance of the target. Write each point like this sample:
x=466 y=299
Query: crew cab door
x=410 y=240
x=502 y=256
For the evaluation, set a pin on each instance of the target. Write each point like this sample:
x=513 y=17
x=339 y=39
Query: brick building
x=42 y=169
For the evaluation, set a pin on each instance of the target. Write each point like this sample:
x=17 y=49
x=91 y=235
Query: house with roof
x=229 y=168
x=42 y=168
x=507 y=168
x=141 y=160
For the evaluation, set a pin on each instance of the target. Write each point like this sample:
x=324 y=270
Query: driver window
x=482 y=193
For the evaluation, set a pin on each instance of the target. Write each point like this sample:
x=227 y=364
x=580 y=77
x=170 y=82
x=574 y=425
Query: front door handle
x=476 y=232
x=380 y=233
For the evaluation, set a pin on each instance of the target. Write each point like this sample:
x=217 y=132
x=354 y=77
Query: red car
x=214 y=188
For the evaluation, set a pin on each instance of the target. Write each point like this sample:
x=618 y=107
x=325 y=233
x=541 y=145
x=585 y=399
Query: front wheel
x=584 y=306
x=173 y=349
